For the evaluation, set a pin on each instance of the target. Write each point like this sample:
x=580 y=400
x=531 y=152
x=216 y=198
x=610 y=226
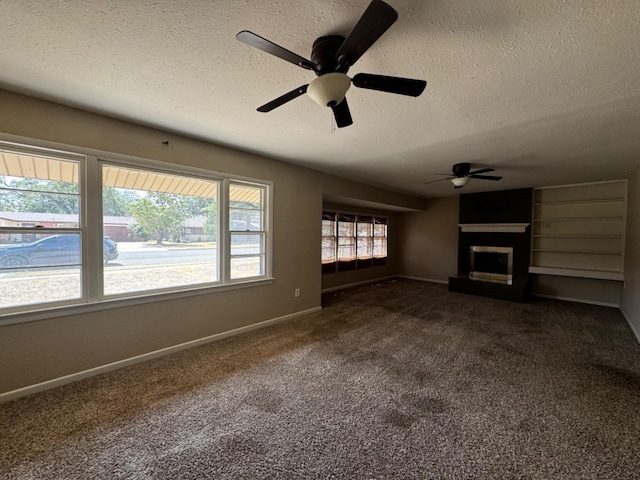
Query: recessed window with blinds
x=352 y=241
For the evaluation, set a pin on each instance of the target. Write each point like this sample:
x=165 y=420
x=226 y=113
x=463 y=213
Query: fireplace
x=494 y=244
x=491 y=264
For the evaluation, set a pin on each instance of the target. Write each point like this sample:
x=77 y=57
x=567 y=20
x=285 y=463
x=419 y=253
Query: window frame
x=229 y=232
x=91 y=231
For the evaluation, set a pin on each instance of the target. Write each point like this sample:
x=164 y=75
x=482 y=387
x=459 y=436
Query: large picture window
x=159 y=231
x=168 y=233
x=351 y=241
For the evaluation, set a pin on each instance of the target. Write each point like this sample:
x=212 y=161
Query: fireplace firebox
x=491 y=264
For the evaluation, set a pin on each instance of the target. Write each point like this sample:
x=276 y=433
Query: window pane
x=379 y=247
x=245 y=244
x=380 y=230
x=29 y=250
x=38 y=191
x=164 y=227
x=244 y=267
x=365 y=248
x=247 y=255
x=246 y=197
x=328 y=249
x=346 y=249
x=364 y=237
x=365 y=229
x=39 y=268
x=346 y=238
x=380 y=238
x=328 y=228
x=346 y=229
x=245 y=220
x=245 y=208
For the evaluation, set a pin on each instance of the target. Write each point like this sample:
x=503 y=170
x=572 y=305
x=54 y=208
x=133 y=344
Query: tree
x=115 y=201
x=8 y=199
x=40 y=196
x=210 y=226
x=197 y=206
x=160 y=214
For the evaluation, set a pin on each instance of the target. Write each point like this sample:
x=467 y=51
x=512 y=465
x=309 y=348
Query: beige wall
x=630 y=301
x=43 y=350
x=333 y=186
x=428 y=240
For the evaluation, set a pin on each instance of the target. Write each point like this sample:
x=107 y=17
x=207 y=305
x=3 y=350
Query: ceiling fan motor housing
x=461 y=169
x=323 y=54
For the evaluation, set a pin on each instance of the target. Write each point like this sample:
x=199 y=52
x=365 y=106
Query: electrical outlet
x=296 y=292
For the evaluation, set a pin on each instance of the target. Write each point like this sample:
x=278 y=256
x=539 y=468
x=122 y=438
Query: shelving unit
x=578 y=230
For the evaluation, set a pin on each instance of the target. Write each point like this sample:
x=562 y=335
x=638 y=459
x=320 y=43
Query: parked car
x=53 y=250
x=109 y=249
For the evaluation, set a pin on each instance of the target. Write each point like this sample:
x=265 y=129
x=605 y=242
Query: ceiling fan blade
x=486 y=177
x=402 y=86
x=434 y=181
x=483 y=170
x=375 y=20
x=268 y=46
x=342 y=114
x=287 y=97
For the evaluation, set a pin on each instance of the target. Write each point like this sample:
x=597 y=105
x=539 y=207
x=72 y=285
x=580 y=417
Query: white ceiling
x=544 y=91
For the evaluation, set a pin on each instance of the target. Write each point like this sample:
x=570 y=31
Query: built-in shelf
x=566 y=250
x=576 y=236
x=575 y=202
x=575 y=219
x=578 y=230
x=493 y=227
x=571 y=272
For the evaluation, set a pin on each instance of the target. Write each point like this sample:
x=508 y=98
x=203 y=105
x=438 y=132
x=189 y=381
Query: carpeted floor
x=397 y=380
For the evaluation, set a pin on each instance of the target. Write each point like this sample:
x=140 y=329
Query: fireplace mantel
x=493 y=227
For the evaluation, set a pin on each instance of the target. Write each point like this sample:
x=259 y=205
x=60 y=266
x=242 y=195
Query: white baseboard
x=357 y=284
x=57 y=382
x=635 y=331
x=576 y=300
x=422 y=279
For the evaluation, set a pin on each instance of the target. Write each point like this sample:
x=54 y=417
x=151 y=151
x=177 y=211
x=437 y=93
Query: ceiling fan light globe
x=329 y=89
x=460 y=181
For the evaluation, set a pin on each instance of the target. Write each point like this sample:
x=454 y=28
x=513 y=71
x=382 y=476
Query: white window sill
x=66 y=310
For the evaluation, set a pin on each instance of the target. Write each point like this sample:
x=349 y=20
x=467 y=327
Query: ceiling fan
x=461 y=174
x=331 y=58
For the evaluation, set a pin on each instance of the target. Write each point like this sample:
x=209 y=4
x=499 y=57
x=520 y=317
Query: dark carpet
x=396 y=380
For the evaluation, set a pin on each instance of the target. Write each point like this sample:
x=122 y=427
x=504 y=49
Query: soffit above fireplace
x=493 y=227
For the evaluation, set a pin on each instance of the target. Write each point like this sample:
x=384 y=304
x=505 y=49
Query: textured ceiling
x=546 y=92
